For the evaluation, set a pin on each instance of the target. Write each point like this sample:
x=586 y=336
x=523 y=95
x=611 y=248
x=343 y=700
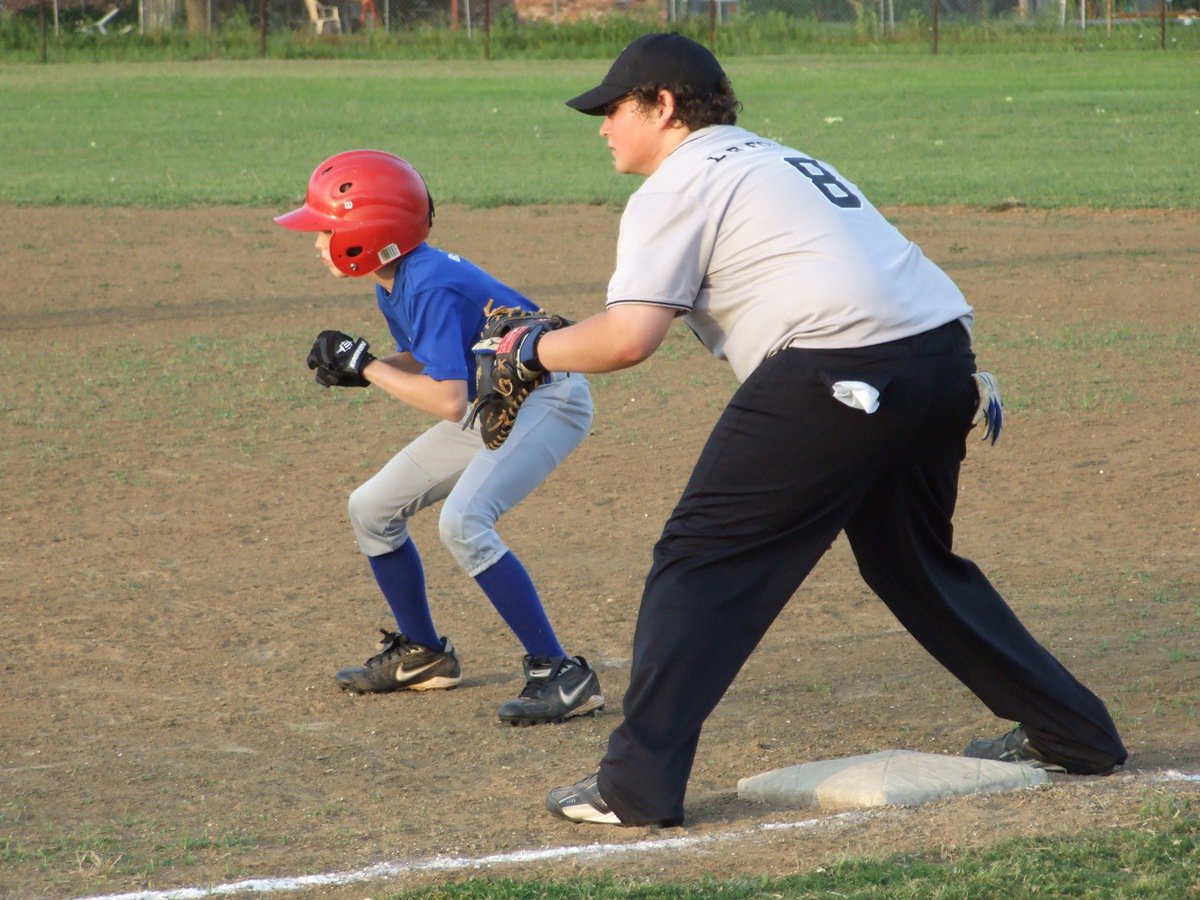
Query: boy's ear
x=665 y=110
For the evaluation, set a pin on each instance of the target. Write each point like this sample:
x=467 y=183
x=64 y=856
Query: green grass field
x=1111 y=130
x=1050 y=130
x=1156 y=862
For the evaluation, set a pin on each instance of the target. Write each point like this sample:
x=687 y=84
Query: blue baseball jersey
x=435 y=310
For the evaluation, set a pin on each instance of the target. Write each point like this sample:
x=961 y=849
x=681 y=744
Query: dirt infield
x=178 y=579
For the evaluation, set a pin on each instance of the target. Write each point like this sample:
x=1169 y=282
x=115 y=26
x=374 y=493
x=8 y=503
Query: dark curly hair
x=693 y=109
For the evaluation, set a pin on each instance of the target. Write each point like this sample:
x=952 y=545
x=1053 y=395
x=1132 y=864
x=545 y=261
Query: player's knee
x=358 y=507
x=469 y=537
x=367 y=517
x=452 y=529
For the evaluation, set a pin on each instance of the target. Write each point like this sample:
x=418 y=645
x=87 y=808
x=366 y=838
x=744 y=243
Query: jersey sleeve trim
x=639 y=301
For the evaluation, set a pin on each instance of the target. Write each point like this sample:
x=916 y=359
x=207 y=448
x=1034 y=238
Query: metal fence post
x=42 y=26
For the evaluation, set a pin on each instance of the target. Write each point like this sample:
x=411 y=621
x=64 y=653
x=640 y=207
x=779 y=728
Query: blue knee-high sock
x=401 y=577
x=511 y=591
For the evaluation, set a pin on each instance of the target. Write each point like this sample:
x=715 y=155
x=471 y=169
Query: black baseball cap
x=666 y=59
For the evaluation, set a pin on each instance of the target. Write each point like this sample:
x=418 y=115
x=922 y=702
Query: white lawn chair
x=100 y=26
x=325 y=19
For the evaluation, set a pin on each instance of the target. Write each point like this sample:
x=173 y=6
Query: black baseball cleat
x=581 y=802
x=556 y=688
x=403 y=666
x=1012 y=747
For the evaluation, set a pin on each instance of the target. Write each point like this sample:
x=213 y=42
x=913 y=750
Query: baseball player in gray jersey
x=857 y=393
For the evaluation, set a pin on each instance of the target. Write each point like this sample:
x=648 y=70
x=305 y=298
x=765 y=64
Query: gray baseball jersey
x=713 y=234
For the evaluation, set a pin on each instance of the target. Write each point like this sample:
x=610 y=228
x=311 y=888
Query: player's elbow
x=453 y=410
x=636 y=331
x=449 y=400
x=633 y=349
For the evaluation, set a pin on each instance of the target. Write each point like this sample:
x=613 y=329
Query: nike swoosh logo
x=570 y=698
x=403 y=676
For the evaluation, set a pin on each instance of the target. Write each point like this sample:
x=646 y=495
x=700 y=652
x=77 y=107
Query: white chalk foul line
x=1173 y=775
x=382 y=871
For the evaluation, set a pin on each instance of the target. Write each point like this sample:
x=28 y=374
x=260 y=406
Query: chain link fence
x=342 y=17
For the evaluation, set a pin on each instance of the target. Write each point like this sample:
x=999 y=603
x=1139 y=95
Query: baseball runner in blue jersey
x=371 y=212
x=858 y=388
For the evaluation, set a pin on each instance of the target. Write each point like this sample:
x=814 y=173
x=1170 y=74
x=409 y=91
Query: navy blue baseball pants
x=786 y=469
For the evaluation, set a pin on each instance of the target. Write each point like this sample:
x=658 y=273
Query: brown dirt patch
x=179 y=582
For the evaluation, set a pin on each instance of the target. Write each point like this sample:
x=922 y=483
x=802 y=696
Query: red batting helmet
x=374 y=202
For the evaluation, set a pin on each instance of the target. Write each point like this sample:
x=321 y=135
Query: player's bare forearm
x=617 y=338
x=400 y=376
x=405 y=361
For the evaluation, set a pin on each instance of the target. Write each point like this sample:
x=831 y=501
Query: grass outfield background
x=1049 y=130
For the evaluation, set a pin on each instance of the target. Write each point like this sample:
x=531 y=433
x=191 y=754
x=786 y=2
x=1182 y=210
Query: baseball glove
x=507 y=368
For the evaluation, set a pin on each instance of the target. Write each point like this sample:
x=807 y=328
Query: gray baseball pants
x=478 y=485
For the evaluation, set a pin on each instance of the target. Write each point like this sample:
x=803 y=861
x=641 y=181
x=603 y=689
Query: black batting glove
x=327 y=377
x=340 y=352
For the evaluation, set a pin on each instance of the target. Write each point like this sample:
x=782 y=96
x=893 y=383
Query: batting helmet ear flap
x=375 y=204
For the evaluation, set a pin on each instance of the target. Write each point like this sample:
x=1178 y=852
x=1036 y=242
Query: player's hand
x=327 y=377
x=507 y=368
x=520 y=346
x=339 y=352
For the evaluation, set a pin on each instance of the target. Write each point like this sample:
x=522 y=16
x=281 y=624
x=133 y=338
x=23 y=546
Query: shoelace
x=393 y=641
x=535 y=686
